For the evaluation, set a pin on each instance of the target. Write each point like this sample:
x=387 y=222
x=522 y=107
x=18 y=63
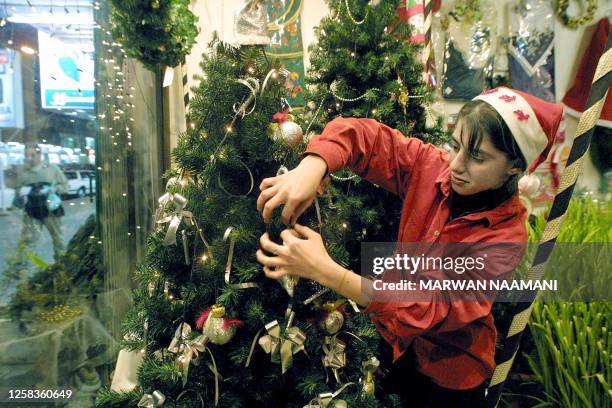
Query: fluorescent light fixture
x=27 y=50
x=48 y=18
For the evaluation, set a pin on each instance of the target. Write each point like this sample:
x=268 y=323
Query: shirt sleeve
x=401 y=316
x=61 y=182
x=372 y=150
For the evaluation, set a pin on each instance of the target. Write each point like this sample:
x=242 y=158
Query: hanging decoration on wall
x=469 y=38
x=531 y=48
x=285 y=44
x=250 y=24
x=160 y=34
x=575 y=22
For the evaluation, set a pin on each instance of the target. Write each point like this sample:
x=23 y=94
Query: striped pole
x=186 y=94
x=582 y=141
x=428 y=60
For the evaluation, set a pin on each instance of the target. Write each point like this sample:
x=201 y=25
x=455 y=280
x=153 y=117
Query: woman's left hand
x=302 y=254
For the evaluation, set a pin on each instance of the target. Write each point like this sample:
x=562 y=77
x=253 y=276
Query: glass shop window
x=78 y=181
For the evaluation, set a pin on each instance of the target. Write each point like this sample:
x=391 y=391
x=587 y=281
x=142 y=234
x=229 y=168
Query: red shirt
x=454 y=341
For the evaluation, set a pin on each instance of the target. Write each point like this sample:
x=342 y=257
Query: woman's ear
x=516 y=169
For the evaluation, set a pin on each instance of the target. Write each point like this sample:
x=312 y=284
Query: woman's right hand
x=296 y=189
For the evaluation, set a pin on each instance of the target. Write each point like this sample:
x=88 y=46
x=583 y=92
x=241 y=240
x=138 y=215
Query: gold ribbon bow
x=335 y=356
x=189 y=351
x=282 y=346
x=175 y=217
x=154 y=400
x=325 y=398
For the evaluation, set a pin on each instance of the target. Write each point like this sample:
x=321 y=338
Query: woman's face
x=487 y=168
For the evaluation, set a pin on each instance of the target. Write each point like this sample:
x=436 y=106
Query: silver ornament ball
x=289 y=132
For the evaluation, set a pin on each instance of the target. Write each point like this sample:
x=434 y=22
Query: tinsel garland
x=155 y=32
x=575 y=22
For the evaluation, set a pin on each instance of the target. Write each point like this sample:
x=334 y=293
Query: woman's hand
x=304 y=257
x=296 y=189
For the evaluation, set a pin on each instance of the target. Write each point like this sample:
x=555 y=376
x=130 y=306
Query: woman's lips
x=457 y=180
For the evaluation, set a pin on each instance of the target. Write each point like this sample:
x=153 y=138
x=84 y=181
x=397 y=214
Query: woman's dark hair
x=480 y=119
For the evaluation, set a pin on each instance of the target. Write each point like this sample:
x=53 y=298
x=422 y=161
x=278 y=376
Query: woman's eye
x=477 y=159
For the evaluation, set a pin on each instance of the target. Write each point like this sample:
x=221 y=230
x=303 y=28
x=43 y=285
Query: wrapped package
x=251 y=23
x=465 y=34
x=531 y=47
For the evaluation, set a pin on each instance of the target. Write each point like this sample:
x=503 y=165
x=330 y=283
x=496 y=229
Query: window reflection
x=80 y=173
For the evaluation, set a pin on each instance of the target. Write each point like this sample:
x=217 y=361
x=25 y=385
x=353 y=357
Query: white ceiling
x=70 y=20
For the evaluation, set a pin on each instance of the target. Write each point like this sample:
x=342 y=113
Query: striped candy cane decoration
x=427 y=49
x=599 y=90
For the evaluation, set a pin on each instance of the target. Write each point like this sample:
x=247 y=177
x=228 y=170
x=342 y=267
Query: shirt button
x=436 y=233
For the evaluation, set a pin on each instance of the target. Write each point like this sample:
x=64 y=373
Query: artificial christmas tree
x=213 y=330
x=364 y=65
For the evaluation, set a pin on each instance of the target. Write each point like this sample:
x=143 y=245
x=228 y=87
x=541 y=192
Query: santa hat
x=576 y=98
x=532 y=121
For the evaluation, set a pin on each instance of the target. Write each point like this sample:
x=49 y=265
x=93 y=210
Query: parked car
x=78 y=181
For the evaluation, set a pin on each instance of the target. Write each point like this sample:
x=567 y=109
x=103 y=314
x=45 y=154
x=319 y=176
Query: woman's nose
x=457 y=164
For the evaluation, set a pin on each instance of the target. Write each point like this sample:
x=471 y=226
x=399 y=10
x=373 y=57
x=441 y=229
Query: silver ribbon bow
x=174 y=218
x=325 y=398
x=189 y=351
x=154 y=400
x=335 y=356
x=283 y=346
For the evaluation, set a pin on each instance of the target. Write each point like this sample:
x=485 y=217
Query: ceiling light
x=48 y=18
x=27 y=50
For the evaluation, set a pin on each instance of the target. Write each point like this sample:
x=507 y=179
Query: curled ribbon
x=325 y=398
x=282 y=345
x=174 y=218
x=248 y=106
x=335 y=356
x=190 y=351
x=228 y=266
x=154 y=400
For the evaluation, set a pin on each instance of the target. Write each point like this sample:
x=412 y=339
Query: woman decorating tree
x=467 y=195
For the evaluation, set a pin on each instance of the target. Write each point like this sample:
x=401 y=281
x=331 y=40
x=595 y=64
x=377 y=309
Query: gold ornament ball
x=289 y=132
x=333 y=322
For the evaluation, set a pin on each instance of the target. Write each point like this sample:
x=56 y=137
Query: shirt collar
x=509 y=208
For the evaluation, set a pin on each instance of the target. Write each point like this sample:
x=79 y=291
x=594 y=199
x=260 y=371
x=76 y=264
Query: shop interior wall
x=570 y=44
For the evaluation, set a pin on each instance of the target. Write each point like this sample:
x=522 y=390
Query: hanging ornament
x=218 y=328
x=289 y=282
x=528 y=185
x=369 y=367
x=332 y=319
x=250 y=23
x=325 y=398
x=286 y=130
x=155 y=4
